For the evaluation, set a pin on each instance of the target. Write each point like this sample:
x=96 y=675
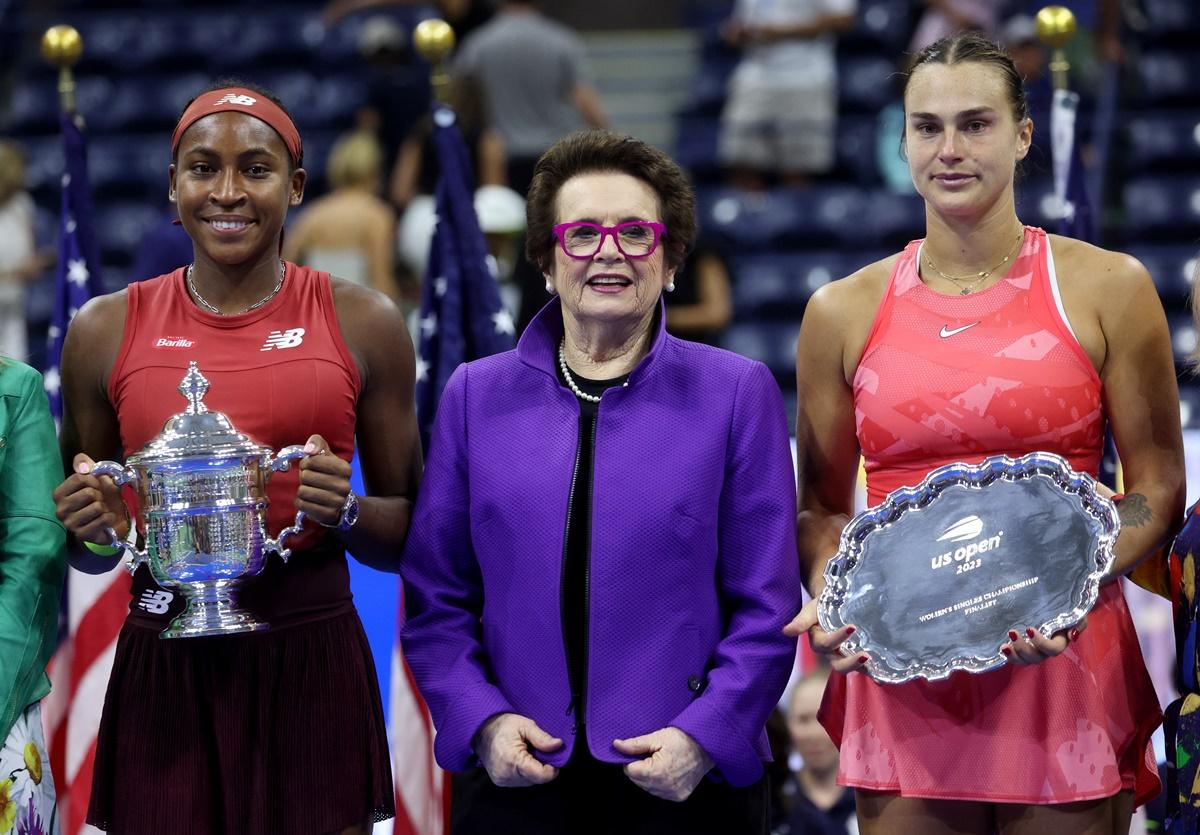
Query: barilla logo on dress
x=967 y=556
x=278 y=340
x=173 y=342
x=235 y=98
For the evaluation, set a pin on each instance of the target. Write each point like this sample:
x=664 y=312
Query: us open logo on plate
x=967 y=556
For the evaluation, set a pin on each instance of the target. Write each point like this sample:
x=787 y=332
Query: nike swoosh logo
x=947 y=332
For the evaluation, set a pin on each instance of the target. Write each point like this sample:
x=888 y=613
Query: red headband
x=240 y=100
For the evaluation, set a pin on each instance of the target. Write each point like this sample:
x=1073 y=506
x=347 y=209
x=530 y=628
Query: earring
x=549 y=288
x=670 y=288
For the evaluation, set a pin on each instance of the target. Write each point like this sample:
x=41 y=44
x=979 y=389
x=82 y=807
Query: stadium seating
x=1173 y=268
x=778 y=286
x=773 y=343
x=1167 y=76
x=1161 y=206
x=1163 y=140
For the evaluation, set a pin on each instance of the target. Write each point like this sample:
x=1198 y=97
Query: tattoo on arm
x=1133 y=510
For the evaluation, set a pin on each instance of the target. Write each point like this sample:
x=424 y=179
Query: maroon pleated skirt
x=273 y=732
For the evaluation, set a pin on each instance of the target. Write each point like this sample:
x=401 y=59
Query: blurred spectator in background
x=781 y=112
x=20 y=259
x=1018 y=36
x=817 y=804
x=701 y=305
x=531 y=72
x=414 y=178
x=889 y=138
x=501 y=213
x=350 y=231
x=464 y=16
x=397 y=86
x=943 y=18
x=163 y=248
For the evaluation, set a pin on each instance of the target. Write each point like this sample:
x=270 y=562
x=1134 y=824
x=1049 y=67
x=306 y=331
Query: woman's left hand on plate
x=1032 y=647
x=826 y=644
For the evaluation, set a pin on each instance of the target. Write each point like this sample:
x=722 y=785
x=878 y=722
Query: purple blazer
x=693 y=568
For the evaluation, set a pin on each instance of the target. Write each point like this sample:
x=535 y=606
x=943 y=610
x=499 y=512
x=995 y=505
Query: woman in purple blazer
x=603 y=551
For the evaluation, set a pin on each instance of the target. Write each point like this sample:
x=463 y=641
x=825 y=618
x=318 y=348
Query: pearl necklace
x=207 y=305
x=968 y=283
x=562 y=366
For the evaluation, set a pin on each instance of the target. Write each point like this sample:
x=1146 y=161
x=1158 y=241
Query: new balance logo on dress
x=235 y=98
x=283 y=339
x=155 y=602
x=947 y=331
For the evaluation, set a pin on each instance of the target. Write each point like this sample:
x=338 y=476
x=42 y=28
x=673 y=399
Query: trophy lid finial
x=194 y=386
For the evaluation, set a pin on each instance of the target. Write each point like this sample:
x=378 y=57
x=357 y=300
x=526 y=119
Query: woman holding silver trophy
x=277 y=731
x=988 y=338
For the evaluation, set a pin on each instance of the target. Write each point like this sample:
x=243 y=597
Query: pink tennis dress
x=958 y=378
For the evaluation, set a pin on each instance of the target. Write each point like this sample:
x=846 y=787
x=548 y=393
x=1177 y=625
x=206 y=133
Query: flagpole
x=434 y=39
x=1055 y=28
x=62 y=46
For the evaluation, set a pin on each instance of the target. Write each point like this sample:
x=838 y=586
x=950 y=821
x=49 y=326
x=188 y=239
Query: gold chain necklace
x=965 y=283
x=206 y=304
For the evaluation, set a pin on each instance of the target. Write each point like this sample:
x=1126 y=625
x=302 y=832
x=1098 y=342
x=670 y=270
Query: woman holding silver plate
x=224 y=734
x=989 y=337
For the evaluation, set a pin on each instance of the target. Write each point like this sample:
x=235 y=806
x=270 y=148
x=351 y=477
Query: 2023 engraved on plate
x=936 y=575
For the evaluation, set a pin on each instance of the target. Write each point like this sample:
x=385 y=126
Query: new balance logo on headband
x=235 y=98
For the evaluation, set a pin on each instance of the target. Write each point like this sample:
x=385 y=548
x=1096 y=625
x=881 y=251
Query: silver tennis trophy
x=936 y=575
x=202 y=488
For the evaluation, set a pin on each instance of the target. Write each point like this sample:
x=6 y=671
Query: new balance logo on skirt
x=283 y=339
x=156 y=602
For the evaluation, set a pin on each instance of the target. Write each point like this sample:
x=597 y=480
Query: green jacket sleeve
x=32 y=541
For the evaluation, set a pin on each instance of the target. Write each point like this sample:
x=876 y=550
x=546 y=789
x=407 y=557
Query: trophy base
x=211 y=610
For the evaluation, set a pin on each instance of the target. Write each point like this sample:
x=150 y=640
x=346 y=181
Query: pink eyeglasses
x=634 y=238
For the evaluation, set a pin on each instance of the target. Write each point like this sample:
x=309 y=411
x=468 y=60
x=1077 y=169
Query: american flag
x=94 y=606
x=78 y=275
x=461 y=319
x=1070 y=193
x=1075 y=216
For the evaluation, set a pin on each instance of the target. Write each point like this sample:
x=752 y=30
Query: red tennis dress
x=958 y=378
x=278 y=732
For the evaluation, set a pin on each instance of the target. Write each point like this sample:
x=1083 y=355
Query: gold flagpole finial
x=62 y=46
x=434 y=39
x=1055 y=27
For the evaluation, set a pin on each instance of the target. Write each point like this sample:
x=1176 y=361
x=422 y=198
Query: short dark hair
x=233 y=81
x=973 y=47
x=603 y=151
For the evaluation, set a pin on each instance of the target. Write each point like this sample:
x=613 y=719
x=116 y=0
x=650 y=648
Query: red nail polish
x=850 y=630
x=862 y=659
x=1030 y=632
x=1007 y=652
x=1012 y=635
x=1073 y=634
